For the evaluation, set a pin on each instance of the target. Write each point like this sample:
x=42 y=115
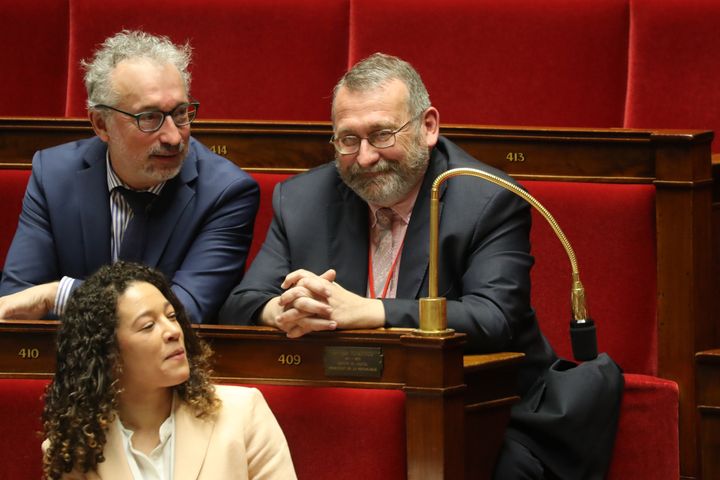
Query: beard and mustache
x=163 y=173
x=387 y=182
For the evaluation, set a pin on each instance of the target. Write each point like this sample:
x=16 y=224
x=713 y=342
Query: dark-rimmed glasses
x=152 y=120
x=350 y=144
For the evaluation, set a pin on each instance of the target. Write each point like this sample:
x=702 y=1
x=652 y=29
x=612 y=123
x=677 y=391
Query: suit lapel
x=168 y=209
x=192 y=438
x=115 y=466
x=415 y=254
x=348 y=239
x=91 y=189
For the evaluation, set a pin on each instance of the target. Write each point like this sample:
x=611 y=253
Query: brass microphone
x=433 y=309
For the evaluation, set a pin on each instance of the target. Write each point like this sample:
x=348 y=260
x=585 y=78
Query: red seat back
x=252 y=59
x=342 y=432
x=12 y=190
x=510 y=62
x=673 y=78
x=612 y=230
x=21 y=406
x=361 y=430
x=34 y=39
x=267 y=182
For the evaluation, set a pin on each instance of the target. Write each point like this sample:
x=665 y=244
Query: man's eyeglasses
x=151 y=121
x=350 y=144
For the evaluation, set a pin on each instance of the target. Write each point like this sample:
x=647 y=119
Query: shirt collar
x=166 y=428
x=403 y=209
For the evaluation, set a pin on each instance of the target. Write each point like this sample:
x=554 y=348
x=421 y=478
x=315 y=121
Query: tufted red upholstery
x=252 y=59
x=511 y=62
x=673 y=78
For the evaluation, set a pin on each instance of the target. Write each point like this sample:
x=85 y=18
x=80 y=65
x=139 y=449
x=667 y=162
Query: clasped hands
x=314 y=302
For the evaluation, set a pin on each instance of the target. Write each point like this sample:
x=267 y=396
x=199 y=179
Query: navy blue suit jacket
x=200 y=227
x=484 y=272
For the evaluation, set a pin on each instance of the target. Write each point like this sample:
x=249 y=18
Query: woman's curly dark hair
x=82 y=400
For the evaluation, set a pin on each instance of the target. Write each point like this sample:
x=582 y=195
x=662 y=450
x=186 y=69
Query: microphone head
x=583 y=339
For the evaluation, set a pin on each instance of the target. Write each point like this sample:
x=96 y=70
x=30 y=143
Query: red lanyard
x=371 y=277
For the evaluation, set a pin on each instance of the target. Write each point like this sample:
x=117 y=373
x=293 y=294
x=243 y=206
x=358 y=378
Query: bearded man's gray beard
x=398 y=178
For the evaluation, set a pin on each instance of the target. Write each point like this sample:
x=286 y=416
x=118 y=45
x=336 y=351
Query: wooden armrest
x=708 y=409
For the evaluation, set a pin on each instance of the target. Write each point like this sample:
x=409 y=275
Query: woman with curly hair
x=132 y=397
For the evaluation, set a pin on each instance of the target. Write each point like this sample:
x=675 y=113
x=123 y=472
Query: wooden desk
x=456 y=409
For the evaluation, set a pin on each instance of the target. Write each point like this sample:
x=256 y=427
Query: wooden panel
x=613 y=155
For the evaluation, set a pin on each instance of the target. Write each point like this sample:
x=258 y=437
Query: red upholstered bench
x=361 y=430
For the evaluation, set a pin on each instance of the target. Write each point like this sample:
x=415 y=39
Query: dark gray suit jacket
x=200 y=228
x=484 y=271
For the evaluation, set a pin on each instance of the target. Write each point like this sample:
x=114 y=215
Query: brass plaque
x=353 y=362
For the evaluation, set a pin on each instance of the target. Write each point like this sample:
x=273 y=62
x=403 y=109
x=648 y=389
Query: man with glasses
x=348 y=244
x=141 y=190
x=348 y=248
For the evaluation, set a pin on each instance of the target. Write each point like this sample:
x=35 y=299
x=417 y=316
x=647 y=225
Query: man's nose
x=367 y=155
x=169 y=132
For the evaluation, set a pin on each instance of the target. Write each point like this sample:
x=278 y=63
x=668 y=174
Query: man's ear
x=431 y=122
x=99 y=124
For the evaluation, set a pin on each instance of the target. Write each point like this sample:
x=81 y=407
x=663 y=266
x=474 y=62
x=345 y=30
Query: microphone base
x=448 y=332
x=433 y=318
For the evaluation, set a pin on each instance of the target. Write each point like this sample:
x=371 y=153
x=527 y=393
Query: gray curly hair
x=130 y=44
x=380 y=68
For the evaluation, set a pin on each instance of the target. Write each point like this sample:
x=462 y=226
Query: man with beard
x=141 y=190
x=348 y=248
x=326 y=263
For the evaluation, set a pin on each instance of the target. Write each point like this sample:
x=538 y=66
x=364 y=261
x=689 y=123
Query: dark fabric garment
x=516 y=462
x=569 y=417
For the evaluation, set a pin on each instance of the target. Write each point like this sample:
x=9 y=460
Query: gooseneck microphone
x=433 y=311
